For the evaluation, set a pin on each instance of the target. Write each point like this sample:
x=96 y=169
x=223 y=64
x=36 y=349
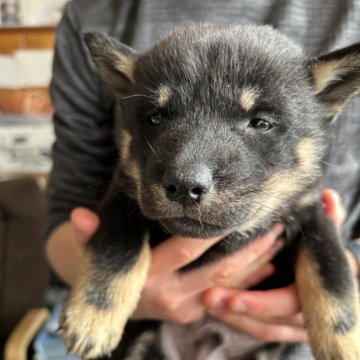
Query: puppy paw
x=90 y=332
x=338 y=339
x=344 y=349
x=100 y=305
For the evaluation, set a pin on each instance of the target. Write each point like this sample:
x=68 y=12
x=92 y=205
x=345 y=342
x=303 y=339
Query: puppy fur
x=222 y=129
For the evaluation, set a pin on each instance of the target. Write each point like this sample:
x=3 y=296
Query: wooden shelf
x=19 y=28
x=13 y=38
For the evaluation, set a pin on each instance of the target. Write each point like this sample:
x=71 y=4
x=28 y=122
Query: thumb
x=85 y=223
x=334 y=207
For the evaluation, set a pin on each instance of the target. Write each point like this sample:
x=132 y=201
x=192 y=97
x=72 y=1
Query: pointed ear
x=336 y=77
x=115 y=61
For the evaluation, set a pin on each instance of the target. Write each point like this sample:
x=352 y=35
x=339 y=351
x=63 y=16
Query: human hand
x=272 y=315
x=85 y=223
x=333 y=205
x=65 y=244
x=172 y=295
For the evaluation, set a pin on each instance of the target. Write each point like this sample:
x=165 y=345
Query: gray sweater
x=85 y=150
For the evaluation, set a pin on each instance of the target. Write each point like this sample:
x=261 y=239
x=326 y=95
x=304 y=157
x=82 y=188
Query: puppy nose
x=188 y=184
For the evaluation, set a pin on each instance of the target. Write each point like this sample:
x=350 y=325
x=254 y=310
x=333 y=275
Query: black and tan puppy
x=222 y=129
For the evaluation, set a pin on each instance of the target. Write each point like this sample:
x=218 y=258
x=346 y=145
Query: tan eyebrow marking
x=130 y=166
x=248 y=97
x=164 y=93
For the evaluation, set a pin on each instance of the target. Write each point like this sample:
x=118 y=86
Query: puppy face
x=222 y=128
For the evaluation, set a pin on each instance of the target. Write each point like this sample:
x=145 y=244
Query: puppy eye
x=260 y=124
x=154 y=119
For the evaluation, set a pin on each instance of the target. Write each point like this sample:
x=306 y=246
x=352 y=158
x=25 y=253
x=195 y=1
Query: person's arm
x=62 y=252
x=84 y=152
x=66 y=242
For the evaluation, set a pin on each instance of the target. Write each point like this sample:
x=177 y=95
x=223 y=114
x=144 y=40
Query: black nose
x=187 y=184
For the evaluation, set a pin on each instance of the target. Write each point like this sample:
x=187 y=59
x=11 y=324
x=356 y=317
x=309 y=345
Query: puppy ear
x=114 y=61
x=336 y=77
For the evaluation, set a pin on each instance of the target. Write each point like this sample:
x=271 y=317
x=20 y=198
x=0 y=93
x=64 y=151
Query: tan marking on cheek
x=248 y=98
x=281 y=187
x=275 y=191
x=103 y=327
x=163 y=93
x=309 y=153
x=125 y=65
x=308 y=199
x=322 y=311
x=130 y=166
x=125 y=142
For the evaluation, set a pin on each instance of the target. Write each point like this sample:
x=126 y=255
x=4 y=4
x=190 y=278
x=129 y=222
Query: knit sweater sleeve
x=84 y=152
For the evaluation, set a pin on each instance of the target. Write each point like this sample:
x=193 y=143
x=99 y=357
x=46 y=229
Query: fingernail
x=278 y=245
x=217 y=303
x=277 y=230
x=238 y=306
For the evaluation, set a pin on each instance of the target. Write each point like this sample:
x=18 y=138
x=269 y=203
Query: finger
x=334 y=207
x=217 y=299
x=85 y=223
x=262 y=330
x=177 y=251
x=189 y=310
x=233 y=269
x=239 y=279
x=271 y=303
x=352 y=262
x=295 y=320
x=179 y=311
x=258 y=276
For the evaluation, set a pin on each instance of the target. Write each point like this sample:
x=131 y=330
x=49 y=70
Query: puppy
x=221 y=130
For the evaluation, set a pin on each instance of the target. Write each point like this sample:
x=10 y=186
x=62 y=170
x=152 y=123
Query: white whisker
x=202 y=225
x=136 y=95
x=152 y=149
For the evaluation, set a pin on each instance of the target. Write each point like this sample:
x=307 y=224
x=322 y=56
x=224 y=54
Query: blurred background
x=27 y=296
